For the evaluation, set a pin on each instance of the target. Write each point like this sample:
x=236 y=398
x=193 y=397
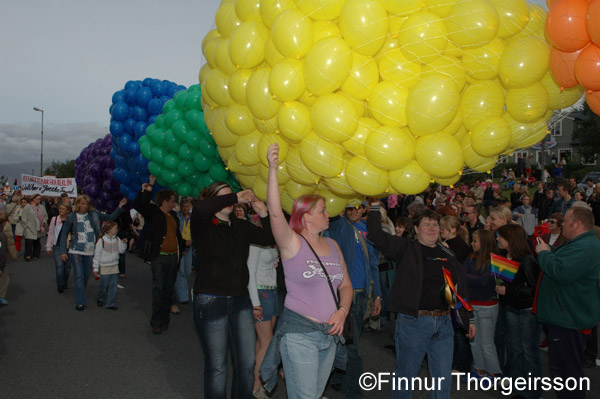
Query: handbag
x=348 y=332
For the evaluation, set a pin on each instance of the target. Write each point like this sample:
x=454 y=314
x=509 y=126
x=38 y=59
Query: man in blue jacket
x=568 y=300
x=362 y=261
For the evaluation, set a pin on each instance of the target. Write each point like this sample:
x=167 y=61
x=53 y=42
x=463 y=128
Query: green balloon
x=171 y=177
x=172 y=116
x=195 y=177
x=146 y=150
x=180 y=98
x=184 y=189
x=207 y=148
x=195 y=192
x=202 y=163
x=158 y=154
x=195 y=87
x=185 y=168
x=181 y=129
x=218 y=172
x=196 y=119
x=161 y=181
x=169 y=105
x=207 y=180
x=155 y=168
x=193 y=139
x=157 y=137
x=159 y=121
x=186 y=153
x=171 y=162
x=193 y=101
x=143 y=139
x=172 y=142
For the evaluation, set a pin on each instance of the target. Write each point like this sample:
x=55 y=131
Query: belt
x=434 y=313
x=266 y=287
x=168 y=253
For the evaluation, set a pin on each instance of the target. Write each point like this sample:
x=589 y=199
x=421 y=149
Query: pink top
x=54 y=232
x=308 y=292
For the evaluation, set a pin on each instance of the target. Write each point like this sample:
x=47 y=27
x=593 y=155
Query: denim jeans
x=524 y=333
x=502 y=341
x=415 y=337
x=82 y=268
x=63 y=268
x=108 y=285
x=181 y=284
x=482 y=347
x=226 y=323
x=307 y=361
x=164 y=272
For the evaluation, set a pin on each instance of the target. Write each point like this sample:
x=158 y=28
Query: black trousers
x=33 y=248
x=565 y=350
x=164 y=273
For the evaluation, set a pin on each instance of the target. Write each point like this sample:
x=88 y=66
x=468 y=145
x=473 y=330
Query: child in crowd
x=106 y=263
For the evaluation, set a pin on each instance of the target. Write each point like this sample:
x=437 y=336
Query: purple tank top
x=308 y=292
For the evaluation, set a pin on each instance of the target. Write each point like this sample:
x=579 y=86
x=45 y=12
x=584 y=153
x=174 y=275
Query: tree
x=587 y=132
x=61 y=169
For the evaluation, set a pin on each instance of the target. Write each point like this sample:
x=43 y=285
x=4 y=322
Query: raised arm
x=287 y=240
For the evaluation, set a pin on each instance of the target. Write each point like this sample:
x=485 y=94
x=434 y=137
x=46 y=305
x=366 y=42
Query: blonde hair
x=83 y=197
x=503 y=212
x=106 y=227
x=452 y=222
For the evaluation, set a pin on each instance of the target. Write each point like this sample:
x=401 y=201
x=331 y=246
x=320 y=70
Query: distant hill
x=14 y=170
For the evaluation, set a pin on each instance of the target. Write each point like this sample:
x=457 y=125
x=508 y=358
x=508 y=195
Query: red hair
x=303 y=205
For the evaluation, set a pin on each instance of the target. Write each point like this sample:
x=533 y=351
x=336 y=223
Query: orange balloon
x=565 y=25
x=593 y=21
x=587 y=68
x=550 y=3
x=562 y=65
x=593 y=101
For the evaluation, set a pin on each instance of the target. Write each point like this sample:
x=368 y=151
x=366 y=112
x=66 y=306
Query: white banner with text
x=48 y=186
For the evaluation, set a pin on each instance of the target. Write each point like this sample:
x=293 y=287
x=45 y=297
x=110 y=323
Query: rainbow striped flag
x=503 y=268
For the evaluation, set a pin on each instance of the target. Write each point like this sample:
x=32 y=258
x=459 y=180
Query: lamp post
x=42 y=150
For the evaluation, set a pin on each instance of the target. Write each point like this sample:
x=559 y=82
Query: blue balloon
x=157 y=87
x=140 y=129
x=133 y=85
x=116 y=128
x=134 y=149
x=147 y=81
x=118 y=96
x=129 y=125
x=155 y=106
x=130 y=96
x=124 y=142
x=120 y=111
x=152 y=119
x=138 y=113
x=142 y=96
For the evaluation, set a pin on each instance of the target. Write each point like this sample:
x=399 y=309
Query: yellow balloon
x=524 y=62
x=394 y=66
x=513 y=16
x=491 y=136
x=204 y=70
x=365 y=178
x=411 y=179
x=308 y=99
x=422 y=37
x=482 y=62
x=356 y=145
x=472 y=23
x=270 y=9
x=454 y=126
x=527 y=104
x=237 y=85
x=209 y=36
x=321 y=10
x=226 y=153
x=260 y=189
x=480 y=100
x=431 y=104
x=292 y=34
x=286 y=80
x=389 y=147
x=462 y=132
x=239 y=119
x=272 y=55
x=403 y=7
x=334 y=117
x=246 y=148
x=247 y=44
x=333 y=204
x=439 y=154
x=247 y=10
x=557 y=98
x=321 y=157
x=388 y=102
x=327 y=65
x=391 y=43
x=449 y=66
x=282 y=175
x=360 y=105
x=524 y=135
x=298 y=171
x=235 y=166
x=396 y=23
x=222 y=57
x=268 y=126
x=258 y=96
x=293 y=120
x=338 y=185
x=323 y=29
x=287 y=202
x=226 y=19
x=364 y=75
x=221 y=134
x=475 y=161
x=453 y=50
x=263 y=146
x=536 y=23
x=447 y=181
x=296 y=190
x=210 y=51
x=216 y=84
x=364 y=25
x=440 y=7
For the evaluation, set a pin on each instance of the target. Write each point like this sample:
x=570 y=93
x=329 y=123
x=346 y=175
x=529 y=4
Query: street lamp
x=42 y=150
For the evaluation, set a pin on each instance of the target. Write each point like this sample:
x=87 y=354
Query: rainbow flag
x=503 y=268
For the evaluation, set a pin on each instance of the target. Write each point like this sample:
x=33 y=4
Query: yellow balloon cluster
x=373 y=97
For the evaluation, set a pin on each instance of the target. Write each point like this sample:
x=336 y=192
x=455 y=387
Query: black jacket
x=408 y=283
x=520 y=293
x=155 y=226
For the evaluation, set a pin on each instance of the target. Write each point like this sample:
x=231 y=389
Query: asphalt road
x=49 y=350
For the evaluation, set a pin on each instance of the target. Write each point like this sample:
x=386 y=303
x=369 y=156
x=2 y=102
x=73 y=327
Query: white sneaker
x=260 y=393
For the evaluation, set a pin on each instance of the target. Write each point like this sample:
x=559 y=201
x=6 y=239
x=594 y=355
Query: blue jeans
x=417 y=336
x=502 y=341
x=82 y=268
x=164 y=272
x=181 y=283
x=62 y=268
x=307 y=361
x=108 y=284
x=524 y=333
x=482 y=346
x=226 y=323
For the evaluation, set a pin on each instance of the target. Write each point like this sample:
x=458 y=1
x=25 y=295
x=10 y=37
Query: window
x=566 y=153
x=557 y=129
x=521 y=153
x=585 y=161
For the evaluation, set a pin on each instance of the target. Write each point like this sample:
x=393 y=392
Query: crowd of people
x=290 y=295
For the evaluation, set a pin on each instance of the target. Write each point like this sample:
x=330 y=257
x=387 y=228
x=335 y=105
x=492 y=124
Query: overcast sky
x=68 y=57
